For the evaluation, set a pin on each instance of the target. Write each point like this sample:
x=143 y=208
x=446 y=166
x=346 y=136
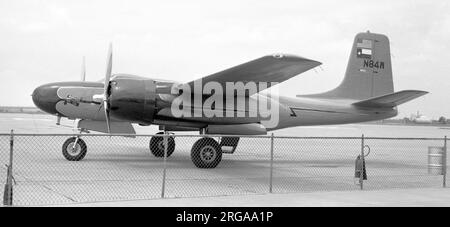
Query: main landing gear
x=157 y=145
x=206 y=152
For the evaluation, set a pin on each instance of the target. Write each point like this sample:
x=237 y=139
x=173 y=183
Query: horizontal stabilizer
x=391 y=100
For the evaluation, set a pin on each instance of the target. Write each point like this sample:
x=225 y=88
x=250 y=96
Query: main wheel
x=157 y=145
x=206 y=153
x=72 y=151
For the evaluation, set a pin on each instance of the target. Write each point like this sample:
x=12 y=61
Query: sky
x=45 y=41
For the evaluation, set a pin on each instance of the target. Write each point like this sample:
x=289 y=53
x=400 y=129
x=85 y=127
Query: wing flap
x=391 y=100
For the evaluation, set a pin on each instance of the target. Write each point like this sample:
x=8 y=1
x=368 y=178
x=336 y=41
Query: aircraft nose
x=45 y=98
x=35 y=96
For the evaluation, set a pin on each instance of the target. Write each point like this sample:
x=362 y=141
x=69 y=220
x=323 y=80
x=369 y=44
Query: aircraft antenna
x=83 y=69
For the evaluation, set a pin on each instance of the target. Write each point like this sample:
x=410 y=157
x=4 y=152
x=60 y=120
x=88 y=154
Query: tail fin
x=369 y=70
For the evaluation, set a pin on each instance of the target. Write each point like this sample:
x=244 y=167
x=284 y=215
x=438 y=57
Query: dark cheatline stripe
x=315 y=110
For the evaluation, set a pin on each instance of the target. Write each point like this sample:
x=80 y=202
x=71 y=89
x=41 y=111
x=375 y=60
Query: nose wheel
x=157 y=145
x=74 y=149
x=206 y=153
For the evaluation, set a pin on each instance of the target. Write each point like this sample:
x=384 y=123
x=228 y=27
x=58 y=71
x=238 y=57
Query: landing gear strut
x=157 y=145
x=74 y=149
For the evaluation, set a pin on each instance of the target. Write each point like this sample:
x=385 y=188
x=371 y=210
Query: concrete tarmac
x=120 y=169
x=430 y=197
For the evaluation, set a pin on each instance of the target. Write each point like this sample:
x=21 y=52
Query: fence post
x=271 y=164
x=163 y=190
x=361 y=171
x=444 y=173
x=8 y=193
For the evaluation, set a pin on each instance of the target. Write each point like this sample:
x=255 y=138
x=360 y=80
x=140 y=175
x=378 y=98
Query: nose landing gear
x=74 y=149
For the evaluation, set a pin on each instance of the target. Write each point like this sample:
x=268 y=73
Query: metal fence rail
x=119 y=167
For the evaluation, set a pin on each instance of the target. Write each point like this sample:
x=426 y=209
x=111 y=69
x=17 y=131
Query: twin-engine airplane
x=366 y=94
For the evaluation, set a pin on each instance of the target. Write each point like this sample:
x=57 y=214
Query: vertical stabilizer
x=369 y=70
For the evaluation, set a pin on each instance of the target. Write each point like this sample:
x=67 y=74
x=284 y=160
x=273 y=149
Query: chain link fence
x=126 y=168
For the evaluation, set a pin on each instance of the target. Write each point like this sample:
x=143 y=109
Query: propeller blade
x=106 y=108
x=83 y=70
x=108 y=68
x=106 y=87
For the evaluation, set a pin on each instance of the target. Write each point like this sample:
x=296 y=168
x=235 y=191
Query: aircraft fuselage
x=78 y=100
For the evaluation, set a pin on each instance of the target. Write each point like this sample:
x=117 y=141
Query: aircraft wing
x=272 y=68
x=391 y=100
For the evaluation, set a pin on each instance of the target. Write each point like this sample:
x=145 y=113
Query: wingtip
x=418 y=91
x=317 y=63
x=313 y=63
x=424 y=93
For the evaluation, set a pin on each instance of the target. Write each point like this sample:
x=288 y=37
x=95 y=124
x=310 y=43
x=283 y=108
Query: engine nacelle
x=133 y=100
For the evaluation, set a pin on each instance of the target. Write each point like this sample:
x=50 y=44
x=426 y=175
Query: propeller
x=106 y=91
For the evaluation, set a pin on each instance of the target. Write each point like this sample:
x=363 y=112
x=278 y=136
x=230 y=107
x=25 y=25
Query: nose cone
x=45 y=98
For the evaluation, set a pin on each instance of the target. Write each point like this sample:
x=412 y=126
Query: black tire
x=206 y=153
x=157 y=146
x=76 y=154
